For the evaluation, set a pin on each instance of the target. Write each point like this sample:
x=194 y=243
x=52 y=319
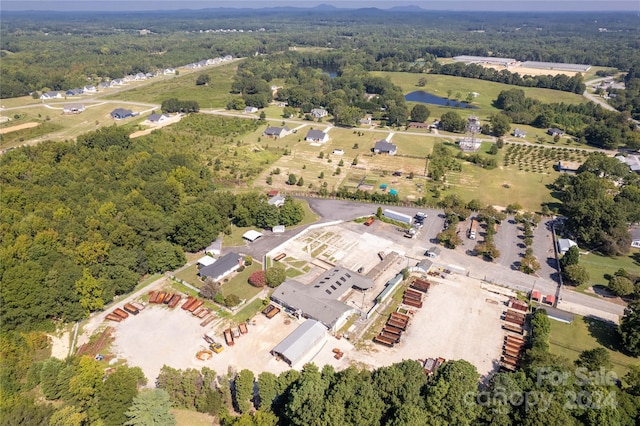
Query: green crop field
x=587 y=333
x=214 y=95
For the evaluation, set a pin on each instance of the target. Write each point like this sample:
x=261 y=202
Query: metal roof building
x=297 y=345
x=320 y=300
x=485 y=60
x=556 y=66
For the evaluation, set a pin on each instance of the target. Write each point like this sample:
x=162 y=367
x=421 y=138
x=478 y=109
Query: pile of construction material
x=162 y=297
x=514 y=318
x=392 y=331
x=120 y=314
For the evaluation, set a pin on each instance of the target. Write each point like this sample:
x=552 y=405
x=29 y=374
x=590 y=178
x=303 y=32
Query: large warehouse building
x=322 y=299
x=302 y=343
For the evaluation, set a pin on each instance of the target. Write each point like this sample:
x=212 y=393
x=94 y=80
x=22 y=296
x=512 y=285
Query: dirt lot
x=18 y=127
x=455 y=322
x=159 y=336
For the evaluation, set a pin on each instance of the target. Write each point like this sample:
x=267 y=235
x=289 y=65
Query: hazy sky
x=494 y=5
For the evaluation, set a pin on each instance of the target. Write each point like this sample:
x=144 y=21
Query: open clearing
x=18 y=127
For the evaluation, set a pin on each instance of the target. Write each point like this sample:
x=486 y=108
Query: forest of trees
x=547 y=390
x=587 y=120
x=599 y=203
x=82 y=222
x=30 y=43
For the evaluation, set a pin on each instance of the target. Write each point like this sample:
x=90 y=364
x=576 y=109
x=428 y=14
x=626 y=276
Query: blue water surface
x=428 y=98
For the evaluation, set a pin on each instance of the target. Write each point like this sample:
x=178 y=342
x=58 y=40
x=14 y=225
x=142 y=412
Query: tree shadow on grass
x=605 y=333
x=603 y=291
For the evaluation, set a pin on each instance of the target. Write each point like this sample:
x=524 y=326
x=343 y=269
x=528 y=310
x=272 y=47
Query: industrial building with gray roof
x=300 y=342
x=321 y=300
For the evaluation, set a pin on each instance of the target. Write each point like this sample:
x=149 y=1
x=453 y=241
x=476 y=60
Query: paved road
x=496 y=273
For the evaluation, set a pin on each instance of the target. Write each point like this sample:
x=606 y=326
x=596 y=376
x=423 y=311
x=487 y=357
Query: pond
x=428 y=98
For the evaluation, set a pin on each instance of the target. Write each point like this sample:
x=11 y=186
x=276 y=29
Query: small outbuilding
x=519 y=133
x=564 y=244
x=206 y=261
x=252 y=235
x=635 y=237
x=433 y=252
x=215 y=248
x=278 y=229
x=302 y=342
x=277 y=201
x=250 y=109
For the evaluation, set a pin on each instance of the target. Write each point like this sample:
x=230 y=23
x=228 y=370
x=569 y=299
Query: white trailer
x=400 y=217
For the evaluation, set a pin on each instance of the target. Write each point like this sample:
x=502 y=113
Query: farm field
x=587 y=333
x=183 y=87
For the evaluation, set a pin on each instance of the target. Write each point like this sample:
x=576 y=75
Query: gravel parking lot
x=455 y=322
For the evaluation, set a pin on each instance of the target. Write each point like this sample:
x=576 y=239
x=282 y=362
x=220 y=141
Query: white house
x=277 y=132
x=51 y=95
x=89 y=89
x=277 y=201
x=156 y=118
x=518 y=133
x=73 y=108
x=222 y=267
x=250 y=109
x=316 y=136
x=384 y=147
x=319 y=113
x=635 y=237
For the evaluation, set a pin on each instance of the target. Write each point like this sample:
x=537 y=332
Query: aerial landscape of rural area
x=319 y=213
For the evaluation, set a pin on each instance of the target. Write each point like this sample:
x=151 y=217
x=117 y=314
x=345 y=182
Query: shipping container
x=138 y=305
x=131 y=309
x=383 y=341
x=412 y=302
x=113 y=317
x=167 y=298
x=207 y=320
x=512 y=327
x=122 y=314
x=174 y=301
x=228 y=337
x=190 y=300
x=195 y=305
x=243 y=328
x=161 y=296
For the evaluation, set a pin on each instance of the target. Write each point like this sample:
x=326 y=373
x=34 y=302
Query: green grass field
x=191 y=418
x=601 y=267
x=586 y=333
x=214 y=95
x=249 y=311
x=239 y=284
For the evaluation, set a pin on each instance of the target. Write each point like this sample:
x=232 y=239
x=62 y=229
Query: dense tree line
x=562 y=82
x=83 y=221
x=599 y=203
x=30 y=43
x=347 y=97
x=588 y=121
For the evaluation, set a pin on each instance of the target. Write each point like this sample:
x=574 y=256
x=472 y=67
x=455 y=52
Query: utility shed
x=301 y=342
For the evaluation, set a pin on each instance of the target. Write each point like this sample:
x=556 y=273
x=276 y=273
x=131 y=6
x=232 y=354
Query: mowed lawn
x=69 y=126
x=601 y=267
x=214 y=95
x=586 y=333
x=192 y=418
